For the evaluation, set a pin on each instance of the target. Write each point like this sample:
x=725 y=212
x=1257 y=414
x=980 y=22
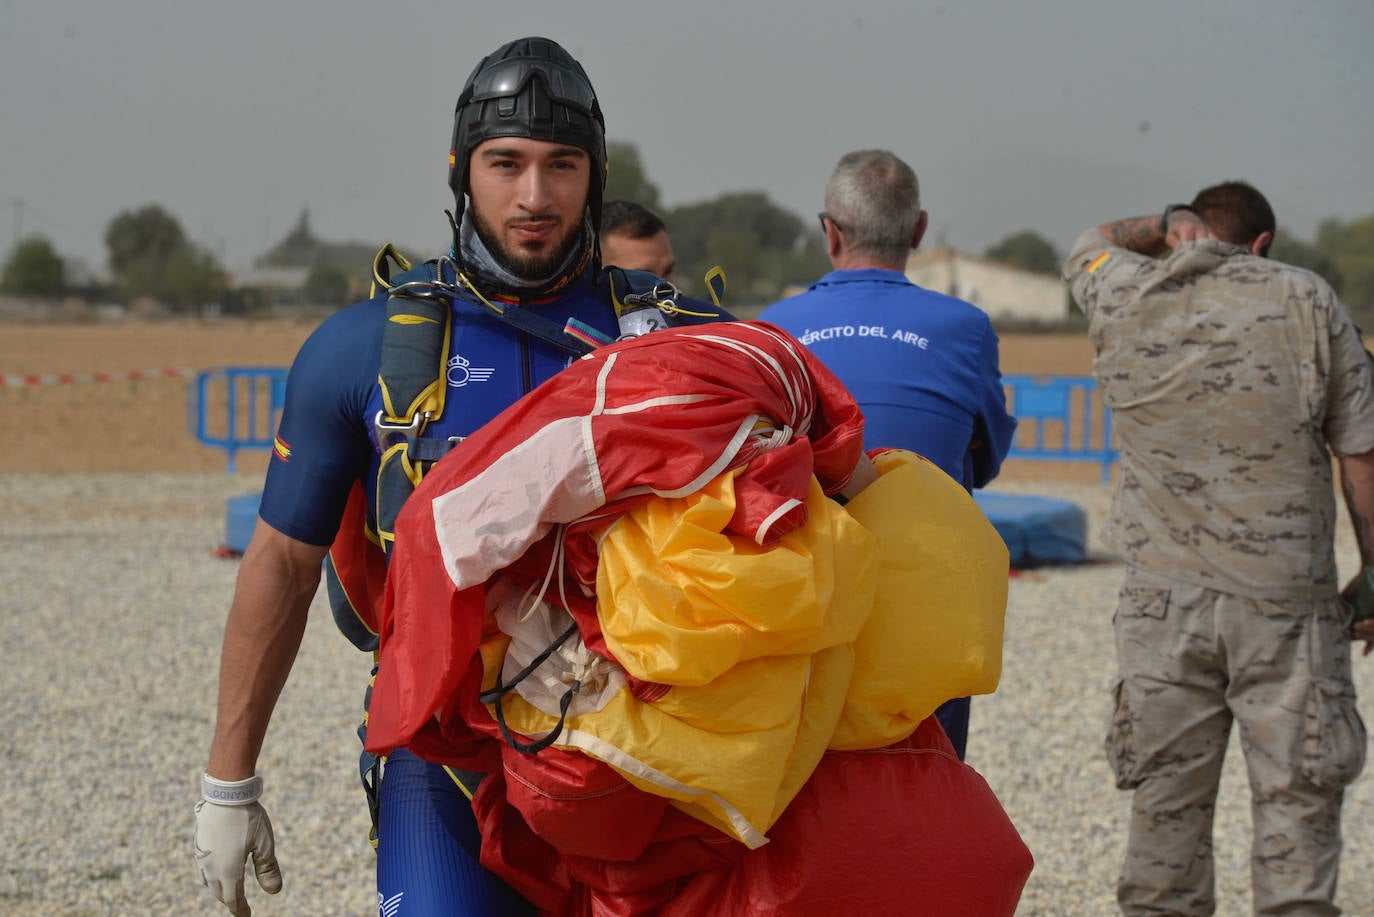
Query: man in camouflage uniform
x=1229 y=376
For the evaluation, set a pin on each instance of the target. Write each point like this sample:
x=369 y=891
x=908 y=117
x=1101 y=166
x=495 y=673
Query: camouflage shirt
x=1228 y=376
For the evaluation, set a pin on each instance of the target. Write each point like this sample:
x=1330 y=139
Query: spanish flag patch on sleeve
x=280 y=447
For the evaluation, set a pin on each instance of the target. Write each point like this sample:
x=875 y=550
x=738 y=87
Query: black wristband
x=1164 y=220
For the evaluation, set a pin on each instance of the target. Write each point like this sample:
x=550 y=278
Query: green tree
x=190 y=278
x=1027 y=250
x=626 y=178
x=34 y=269
x=1290 y=249
x=1351 y=248
x=151 y=256
x=762 y=247
x=327 y=284
x=148 y=236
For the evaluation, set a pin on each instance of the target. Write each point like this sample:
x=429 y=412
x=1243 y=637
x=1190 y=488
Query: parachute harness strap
x=521 y=319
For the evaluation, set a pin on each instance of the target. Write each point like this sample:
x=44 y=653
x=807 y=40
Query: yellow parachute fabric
x=936 y=629
x=845 y=635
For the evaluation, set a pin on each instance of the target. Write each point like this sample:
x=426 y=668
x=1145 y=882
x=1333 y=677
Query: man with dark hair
x=379 y=393
x=1233 y=381
x=635 y=238
x=922 y=366
x=1237 y=213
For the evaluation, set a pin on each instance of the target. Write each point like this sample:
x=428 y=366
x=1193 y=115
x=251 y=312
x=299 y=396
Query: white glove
x=230 y=826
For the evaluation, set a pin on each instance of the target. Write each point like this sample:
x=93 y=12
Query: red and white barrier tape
x=19 y=380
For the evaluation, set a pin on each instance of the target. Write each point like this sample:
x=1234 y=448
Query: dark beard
x=533 y=267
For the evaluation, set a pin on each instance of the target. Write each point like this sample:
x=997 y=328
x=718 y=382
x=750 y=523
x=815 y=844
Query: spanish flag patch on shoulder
x=280 y=447
x=1099 y=261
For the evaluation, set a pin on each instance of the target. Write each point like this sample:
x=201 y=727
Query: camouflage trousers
x=1192 y=660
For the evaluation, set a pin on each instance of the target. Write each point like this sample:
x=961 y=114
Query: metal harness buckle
x=385 y=430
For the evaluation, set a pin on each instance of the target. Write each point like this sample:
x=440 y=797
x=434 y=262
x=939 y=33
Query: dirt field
x=142 y=426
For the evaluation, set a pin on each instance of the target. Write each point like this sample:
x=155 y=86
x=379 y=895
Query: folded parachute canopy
x=737 y=635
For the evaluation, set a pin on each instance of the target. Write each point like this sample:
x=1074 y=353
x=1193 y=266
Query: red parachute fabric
x=359 y=563
x=908 y=829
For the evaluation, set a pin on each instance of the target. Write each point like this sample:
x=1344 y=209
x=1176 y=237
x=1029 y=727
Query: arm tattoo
x=1136 y=234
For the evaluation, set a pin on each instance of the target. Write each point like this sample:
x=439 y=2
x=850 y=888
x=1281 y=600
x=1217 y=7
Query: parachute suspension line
x=561 y=559
x=555 y=566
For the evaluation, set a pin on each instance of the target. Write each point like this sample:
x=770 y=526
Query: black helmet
x=533 y=88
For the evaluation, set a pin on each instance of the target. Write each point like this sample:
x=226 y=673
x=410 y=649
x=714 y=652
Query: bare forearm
x=1357 y=486
x=261 y=637
x=865 y=473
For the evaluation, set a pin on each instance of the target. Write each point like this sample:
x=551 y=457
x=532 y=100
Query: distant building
x=261 y=289
x=1002 y=291
x=279 y=279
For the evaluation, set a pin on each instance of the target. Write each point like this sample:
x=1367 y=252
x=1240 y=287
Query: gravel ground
x=115 y=604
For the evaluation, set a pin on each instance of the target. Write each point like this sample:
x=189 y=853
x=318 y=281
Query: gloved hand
x=231 y=826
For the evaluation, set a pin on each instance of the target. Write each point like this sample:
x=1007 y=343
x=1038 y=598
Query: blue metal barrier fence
x=1060 y=418
x=236 y=407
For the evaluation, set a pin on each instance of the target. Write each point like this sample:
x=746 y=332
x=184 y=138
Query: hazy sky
x=235 y=114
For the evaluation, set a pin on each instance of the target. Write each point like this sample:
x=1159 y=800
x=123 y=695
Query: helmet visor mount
x=507 y=79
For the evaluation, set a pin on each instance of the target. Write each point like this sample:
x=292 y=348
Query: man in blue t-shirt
x=922 y=366
x=519 y=296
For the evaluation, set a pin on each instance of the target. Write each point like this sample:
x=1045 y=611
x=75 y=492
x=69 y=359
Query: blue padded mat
x=1038 y=530
x=240 y=518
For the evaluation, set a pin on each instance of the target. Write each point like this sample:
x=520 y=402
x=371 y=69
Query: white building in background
x=1002 y=291
x=271 y=278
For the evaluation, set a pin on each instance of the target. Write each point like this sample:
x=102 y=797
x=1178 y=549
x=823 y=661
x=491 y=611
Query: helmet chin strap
x=453 y=225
